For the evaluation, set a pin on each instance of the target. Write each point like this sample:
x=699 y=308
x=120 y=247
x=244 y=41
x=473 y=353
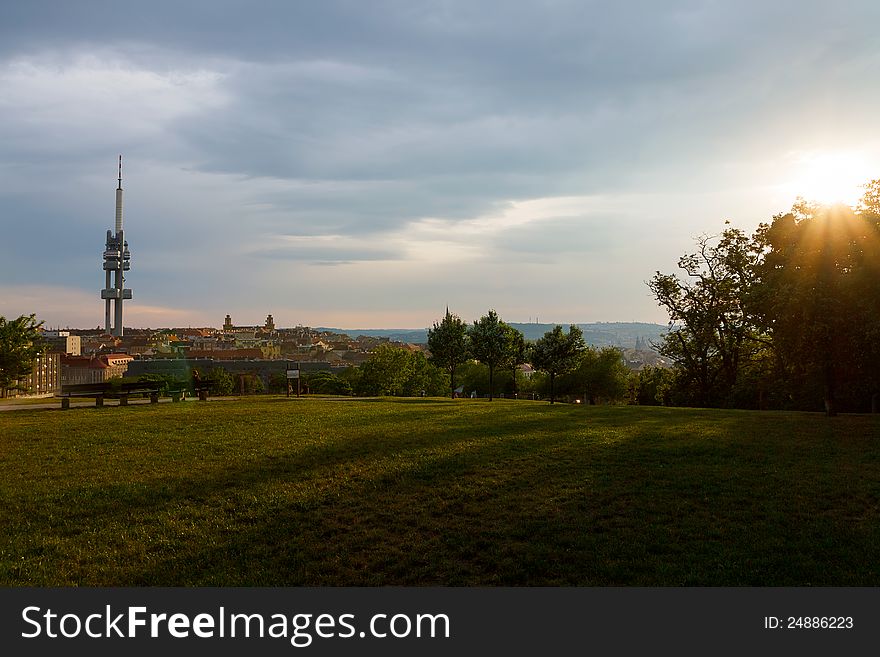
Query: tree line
x=787 y=317
x=569 y=367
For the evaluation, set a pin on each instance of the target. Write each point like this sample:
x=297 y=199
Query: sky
x=367 y=164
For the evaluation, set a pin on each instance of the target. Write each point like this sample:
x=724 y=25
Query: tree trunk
x=452 y=380
x=875 y=401
x=491 y=371
x=552 y=398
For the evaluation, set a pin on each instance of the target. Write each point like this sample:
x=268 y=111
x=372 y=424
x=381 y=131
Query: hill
x=600 y=334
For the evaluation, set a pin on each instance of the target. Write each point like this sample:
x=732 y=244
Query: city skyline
x=366 y=167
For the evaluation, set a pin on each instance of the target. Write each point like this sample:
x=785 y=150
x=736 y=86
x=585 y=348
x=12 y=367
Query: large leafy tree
x=20 y=346
x=712 y=333
x=817 y=296
x=449 y=345
x=489 y=338
x=557 y=353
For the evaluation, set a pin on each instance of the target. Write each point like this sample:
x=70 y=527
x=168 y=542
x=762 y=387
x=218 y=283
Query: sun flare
x=829 y=177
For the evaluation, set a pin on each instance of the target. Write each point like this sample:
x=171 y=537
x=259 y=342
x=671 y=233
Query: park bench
x=105 y=390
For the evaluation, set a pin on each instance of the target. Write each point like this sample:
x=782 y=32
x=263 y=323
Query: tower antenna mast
x=117 y=261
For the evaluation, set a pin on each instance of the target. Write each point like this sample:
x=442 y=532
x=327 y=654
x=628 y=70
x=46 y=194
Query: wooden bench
x=100 y=391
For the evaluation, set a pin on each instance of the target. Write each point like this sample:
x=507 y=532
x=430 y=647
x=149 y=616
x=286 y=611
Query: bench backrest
x=86 y=387
x=107 y=387
x=137 y=385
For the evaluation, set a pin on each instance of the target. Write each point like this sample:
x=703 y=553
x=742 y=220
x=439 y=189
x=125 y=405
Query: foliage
x=650 y=386
x=398 y=372
x=20 y=346
x=598 y=374
x=517 y=354
x=712 y=334
x=557 y=353
x=220 y=382
x=449 y=345
x=278 y=382
x=490 y=344
x=786 y=318
x=249 y=383
x=323 y=382
x=164 y=382
x=818 y=297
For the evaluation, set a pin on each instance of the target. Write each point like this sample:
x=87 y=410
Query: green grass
x=417 y=492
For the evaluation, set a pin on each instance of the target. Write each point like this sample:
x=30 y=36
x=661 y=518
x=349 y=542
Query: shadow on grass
x=562 y=496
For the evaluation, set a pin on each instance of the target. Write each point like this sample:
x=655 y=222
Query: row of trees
x=562 y=356
x=788 y=317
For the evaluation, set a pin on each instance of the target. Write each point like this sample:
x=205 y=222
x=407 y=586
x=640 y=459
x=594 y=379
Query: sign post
x=293 y=374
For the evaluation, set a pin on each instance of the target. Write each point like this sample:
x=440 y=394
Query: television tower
x=117 y=260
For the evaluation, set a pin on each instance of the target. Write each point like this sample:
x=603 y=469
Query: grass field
x=273 y=491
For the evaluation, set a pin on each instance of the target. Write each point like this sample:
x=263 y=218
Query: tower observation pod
x=117 y=261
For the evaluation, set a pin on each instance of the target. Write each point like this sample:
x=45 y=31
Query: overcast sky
x=366 y=164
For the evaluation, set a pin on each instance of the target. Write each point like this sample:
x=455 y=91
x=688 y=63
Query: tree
x=20 y=346
x=385 y=372
x=650 y=386
x=278 y=382
x=712 y=331
x=557 y=353
x=398 y=372
x=323 y=382
x=818 y=299
x=598 y=373
x=449 y=345
x=490 y=344
x=517 y=352
x=220 y=382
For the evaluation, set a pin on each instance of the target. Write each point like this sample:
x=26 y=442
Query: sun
x=829 y=177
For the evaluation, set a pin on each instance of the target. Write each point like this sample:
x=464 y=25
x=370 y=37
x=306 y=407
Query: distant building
x=44 y=379
x=267 y=327
x=93 y=369
x=63 y=342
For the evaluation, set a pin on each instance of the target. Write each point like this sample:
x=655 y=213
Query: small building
x=93 y=369
x=63 y=342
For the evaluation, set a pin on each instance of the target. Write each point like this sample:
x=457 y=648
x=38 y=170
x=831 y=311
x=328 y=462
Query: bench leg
x=123 y=400
x=65 y=403
x=99 y=401
x=154 y=397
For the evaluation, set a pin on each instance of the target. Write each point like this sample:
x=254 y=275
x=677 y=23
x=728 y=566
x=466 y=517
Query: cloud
x=81 y=102
x=326 y=156
x=322 y=250
x=62 y=306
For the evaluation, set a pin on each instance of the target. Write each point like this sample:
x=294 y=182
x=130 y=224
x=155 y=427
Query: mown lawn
x=435 y=492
